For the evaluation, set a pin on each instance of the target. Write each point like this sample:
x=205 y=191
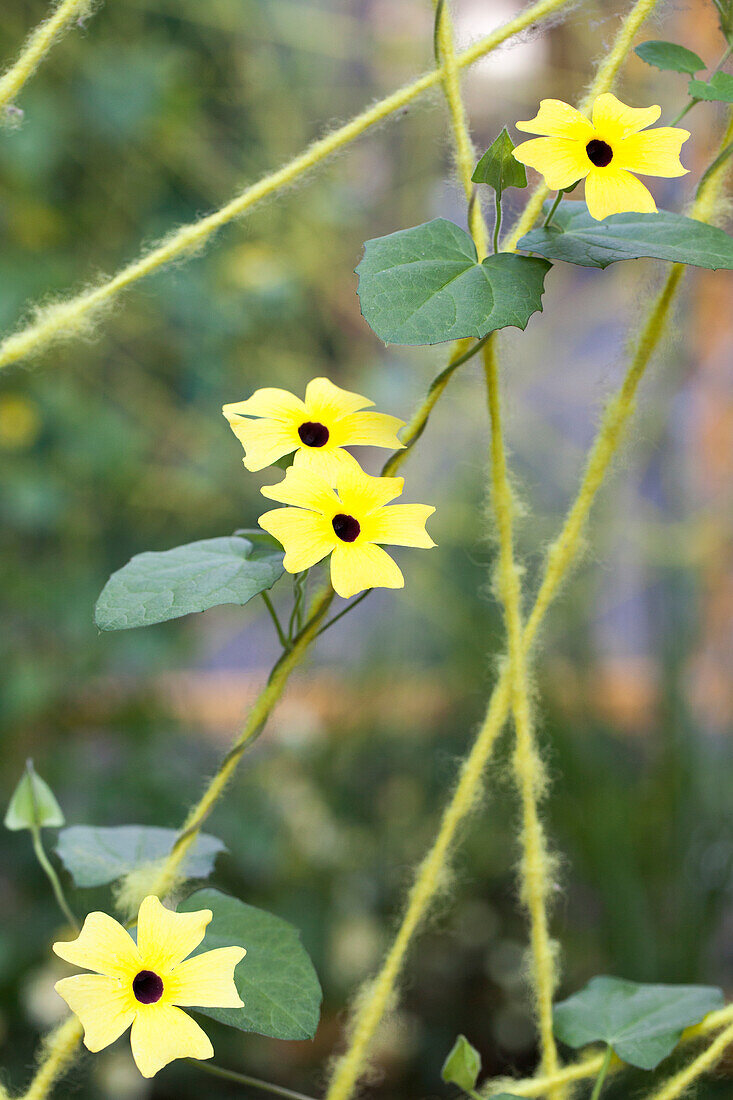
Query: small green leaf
x=498 y=166
x=33 y=804
x=276 y=979
x=155 y=587
x=670 y=57
x=94 y=856
x=463 y=1065
x=641 y=1023
x=425 y=285
x=719 y=88
x=578 y=238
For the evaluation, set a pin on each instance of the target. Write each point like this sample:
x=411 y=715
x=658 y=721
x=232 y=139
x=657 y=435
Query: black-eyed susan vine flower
x=348 y=522
x=604 y=152
x=144 y=984
x=273 y=423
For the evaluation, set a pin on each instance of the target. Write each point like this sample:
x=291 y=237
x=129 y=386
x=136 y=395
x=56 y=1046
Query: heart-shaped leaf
x=276 y=979
x=95 y=856
x=33 y=804
x=425 y=285
x=462 y=1066
x=580 y=239
x=154 y=587
x=718 y=88
x=498 y=167
x=641 y=1023
x=670 y=57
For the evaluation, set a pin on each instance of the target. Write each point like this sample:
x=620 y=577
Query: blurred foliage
x=152 y=114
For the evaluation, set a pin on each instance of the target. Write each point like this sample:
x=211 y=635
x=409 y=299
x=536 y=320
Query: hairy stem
x=37 y=45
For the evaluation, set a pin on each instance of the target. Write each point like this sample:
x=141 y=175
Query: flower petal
x=560 y=161
x=307 y=536
x=207 y=980
x=654 y=152
x=102 y=945
x=614 y=121
x=165 y=938
x=105 y=1007
x=322 y=462
x=304 y=488
x=399 y=525
x=558 y=119
x=326 y=402
x=161 y=1033
x=272 y=403
x=367 y=429
x=359 y=565
x=615 y=191
x=361 y=493
x=265 y=441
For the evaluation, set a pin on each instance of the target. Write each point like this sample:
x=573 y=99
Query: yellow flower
x=346 y=522
x=604 y=152
x=143 y=984
x=273 y=423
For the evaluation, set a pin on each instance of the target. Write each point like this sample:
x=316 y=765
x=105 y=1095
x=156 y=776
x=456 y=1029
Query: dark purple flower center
x=147 y=987
x=346 y=527
x=313 y=434
x=599 y=152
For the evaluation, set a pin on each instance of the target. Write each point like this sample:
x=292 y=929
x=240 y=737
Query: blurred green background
x=158 y=111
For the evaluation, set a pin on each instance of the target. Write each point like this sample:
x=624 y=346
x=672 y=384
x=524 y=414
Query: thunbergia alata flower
x=604 y=152
x=273 y=423
x=347 y=522
x=144 y=984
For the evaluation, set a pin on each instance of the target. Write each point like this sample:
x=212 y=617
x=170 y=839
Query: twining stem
x=346 y=610
x=602 y=1074
x=535 y=867
x=37 y=46
x=284 y=642
x=245 y=1079
x=679 y=1084
x=52 y=876
x=64 y=319
x=169 y=872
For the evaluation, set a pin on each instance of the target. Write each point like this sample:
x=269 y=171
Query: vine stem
x=244 y=1079
x=551 y=215
x=70 y=316
x=602 y=1074
x=38 y=43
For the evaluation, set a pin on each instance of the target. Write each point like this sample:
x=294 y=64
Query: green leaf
x=641 y=1023
x=463 y=1065
x=670 y=57
x=425 y=285
x=94 y=856
x=498 y=166
x=155 y=587
x=33 y=804
x=578 y=238
x=718 y=88
x=276 y=979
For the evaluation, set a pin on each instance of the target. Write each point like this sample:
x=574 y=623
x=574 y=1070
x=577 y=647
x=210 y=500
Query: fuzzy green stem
x=497 y=221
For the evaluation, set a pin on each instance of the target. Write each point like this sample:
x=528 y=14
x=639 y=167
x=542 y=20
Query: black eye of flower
x=313 y=434
x=147 y=987
x=599 y=152
x=346 y=527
